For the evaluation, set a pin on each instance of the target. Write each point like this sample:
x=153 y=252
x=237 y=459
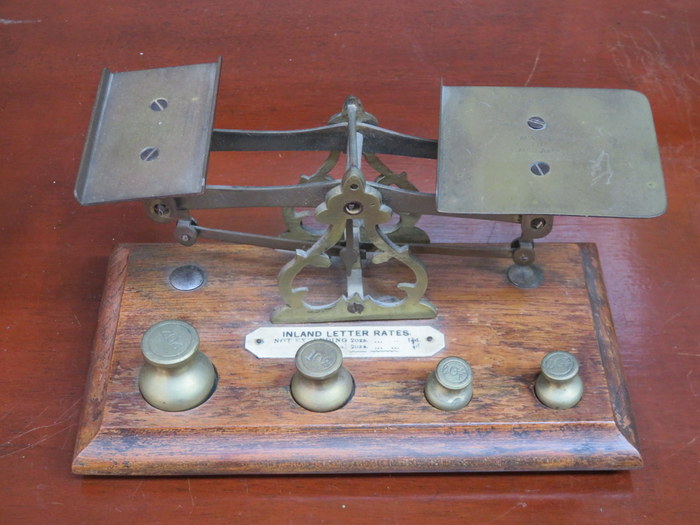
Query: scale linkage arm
x=312 y=194
x=188 y=231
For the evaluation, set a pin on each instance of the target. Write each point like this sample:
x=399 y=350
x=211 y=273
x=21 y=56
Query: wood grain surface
x=290 y=65
x=251 y=424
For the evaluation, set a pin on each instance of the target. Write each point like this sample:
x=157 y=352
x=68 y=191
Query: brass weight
x=321 y=382
x=449 y=386
x=559 y=385
x=176 y=376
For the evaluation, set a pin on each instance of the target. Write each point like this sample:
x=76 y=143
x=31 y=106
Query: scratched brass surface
x=553 y=151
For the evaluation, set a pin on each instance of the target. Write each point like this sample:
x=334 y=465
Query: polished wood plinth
x=252 y=425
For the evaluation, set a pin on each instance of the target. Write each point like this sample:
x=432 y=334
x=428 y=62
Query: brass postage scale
x=213 y=358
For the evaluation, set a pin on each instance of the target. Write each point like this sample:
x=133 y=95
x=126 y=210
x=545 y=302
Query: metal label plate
x=149 y=135
x=551 y=151
x=355 y=341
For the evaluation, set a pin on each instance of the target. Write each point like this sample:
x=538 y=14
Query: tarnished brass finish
x=403 y=231
x=150 y=134
x=519 y=155
x=353 y=210
x=559 y=385
x=176 y=375
x=449 y=386
x=551 y=151
x=353 y=199
x=321 y=382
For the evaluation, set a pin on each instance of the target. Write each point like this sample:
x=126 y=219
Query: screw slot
x=540 y=168
x=536 y=123
x=150 y=153
x=538 y=223
x=161 y=210
x=159 y=104
x=355 y=308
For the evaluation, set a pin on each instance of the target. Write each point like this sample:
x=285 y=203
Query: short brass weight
x=559 y=385
x=176 y=376
x=449 y=386
x=321 y=382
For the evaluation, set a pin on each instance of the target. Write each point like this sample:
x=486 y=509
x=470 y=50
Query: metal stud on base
x=525 y=276
x=176 y=375
x=321 y=382
x=188 y=277
x=449 y=386
x=559 y=385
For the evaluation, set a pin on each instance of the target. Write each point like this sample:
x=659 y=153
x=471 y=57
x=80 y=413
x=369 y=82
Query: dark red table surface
x=290 y=65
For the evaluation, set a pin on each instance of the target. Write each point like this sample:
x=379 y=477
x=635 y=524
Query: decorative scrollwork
x=346 y=206
x=403 y=231
x=293 y=218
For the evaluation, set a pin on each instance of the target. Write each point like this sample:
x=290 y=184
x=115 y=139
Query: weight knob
x=321 y=382
x=559 y=385
x=449 y=386
x=176 y=376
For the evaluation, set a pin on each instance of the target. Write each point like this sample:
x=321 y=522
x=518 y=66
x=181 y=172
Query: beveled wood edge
x=103 y=347
x=470 y=448
x=607 y=342
x=606 y=445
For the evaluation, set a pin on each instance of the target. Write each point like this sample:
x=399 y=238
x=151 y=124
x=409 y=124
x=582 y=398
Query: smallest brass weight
x=176 y=376
x=449 y=386
x=559 y=385
x=321 y=382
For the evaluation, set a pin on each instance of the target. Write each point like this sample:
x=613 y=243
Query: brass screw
x=159 y=104
x=540 y=168
x=538 y=223
x=536 y=123
x=161 y=210
x=355 y=308
x=150 y=153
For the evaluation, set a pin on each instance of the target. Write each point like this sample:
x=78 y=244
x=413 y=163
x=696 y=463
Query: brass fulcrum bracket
x=350 y=209
x=404 y=230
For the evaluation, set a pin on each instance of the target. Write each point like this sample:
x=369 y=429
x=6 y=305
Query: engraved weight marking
x=319 y=359
x=559 y=365
x=455 y=372
x=174 y=343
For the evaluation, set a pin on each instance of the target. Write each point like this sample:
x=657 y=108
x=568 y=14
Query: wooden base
x=251 y=425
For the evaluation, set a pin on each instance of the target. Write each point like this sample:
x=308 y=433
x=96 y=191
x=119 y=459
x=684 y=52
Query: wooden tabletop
x=290 y=65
